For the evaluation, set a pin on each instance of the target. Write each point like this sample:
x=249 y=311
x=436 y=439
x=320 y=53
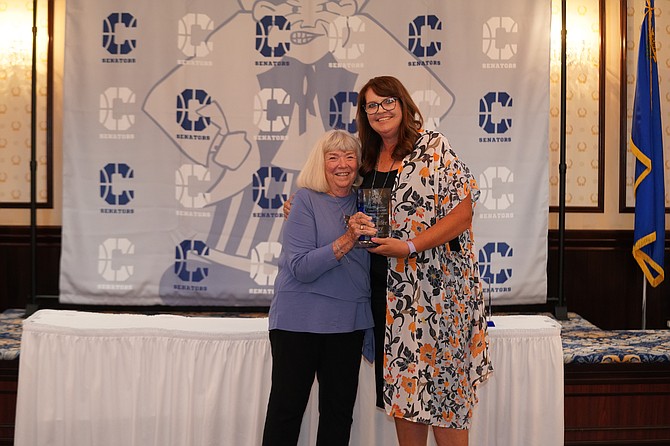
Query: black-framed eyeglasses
x=387 y=104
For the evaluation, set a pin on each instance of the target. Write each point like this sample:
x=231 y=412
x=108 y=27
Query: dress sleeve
x=454 y=180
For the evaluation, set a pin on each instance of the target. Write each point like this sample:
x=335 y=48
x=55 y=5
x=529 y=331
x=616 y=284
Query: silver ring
x=362 y=226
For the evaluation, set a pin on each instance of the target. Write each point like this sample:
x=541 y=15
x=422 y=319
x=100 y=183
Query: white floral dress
x=436 y=345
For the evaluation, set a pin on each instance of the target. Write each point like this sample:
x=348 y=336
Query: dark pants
x=335 y=359
x=378 y=285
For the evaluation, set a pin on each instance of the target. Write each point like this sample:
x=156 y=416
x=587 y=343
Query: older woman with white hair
x=320 y=318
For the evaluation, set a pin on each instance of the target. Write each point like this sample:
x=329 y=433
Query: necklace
x=345 y=216
x=374 y=175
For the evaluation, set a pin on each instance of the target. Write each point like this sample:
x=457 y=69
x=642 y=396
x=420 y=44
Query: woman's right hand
x=357 y=225
x=287 y=206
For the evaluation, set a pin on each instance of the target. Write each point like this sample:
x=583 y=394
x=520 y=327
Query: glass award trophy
x=377 y=204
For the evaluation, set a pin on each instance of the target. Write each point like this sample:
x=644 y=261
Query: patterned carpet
x=583 y=342
x=10 y=334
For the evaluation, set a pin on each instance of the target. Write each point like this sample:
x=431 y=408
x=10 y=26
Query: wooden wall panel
x=9 y=373
x=15 y=264
x=603 y=283
x=617 y=404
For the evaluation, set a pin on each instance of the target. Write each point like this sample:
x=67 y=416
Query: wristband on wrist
x=412 y=249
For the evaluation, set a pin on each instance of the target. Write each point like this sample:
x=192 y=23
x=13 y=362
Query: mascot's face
x=311 y=24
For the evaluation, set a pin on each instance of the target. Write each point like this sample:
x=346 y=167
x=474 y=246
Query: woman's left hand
x=390 y=247
x=361 y=224
x=445 y=229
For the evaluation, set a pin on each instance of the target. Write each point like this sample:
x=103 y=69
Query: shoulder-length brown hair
x=411 y=124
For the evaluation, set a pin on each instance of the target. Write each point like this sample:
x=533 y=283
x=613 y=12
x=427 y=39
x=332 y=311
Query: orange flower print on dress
x=478 y=343
x=409 y=384
x=412 y=263
x=427 y=354
x=395 y=411
x=418 y=227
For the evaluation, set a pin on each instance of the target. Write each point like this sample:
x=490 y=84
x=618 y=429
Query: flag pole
x=31 y=307
x=644 y=302
x=561 y=310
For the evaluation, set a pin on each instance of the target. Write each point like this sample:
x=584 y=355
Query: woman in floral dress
x=435 y=349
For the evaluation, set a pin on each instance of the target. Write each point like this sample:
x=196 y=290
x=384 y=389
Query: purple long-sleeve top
x=313 y=291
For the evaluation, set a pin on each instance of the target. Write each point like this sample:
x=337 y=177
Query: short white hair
x=313 y=174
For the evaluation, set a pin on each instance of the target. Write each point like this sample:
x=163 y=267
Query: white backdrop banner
x=186 y=123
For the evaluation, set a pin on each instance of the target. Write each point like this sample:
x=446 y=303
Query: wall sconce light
x=16 y=38
x=582 y=40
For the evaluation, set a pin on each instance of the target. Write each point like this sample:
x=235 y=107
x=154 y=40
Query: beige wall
x=49 y=217
x=610 y=219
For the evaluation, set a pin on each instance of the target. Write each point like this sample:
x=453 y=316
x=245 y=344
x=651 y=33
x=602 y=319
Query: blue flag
x=647 y=146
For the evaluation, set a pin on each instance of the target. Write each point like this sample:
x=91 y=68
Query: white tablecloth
x=134 y=380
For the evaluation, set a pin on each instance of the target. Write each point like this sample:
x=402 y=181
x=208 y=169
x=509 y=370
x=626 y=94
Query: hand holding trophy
x=375 y=203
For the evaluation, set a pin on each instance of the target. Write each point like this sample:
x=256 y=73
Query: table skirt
x=135 y=380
